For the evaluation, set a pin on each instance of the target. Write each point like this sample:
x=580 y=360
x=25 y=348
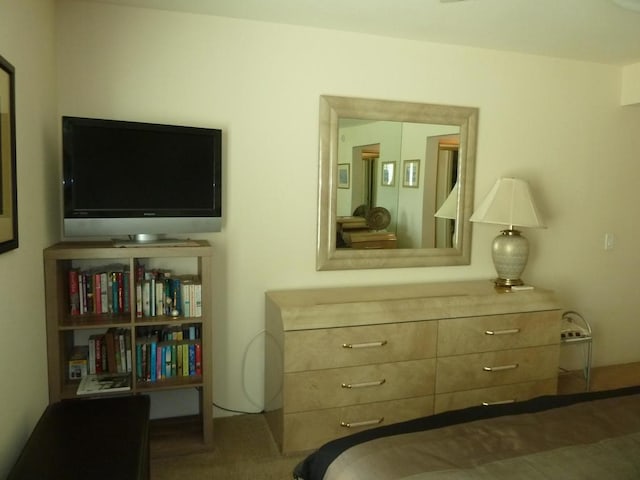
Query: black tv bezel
x=73 y=216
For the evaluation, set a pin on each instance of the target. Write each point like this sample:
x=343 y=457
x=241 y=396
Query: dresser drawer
x=309 y=430
x=338 y=387
x=504 y=394
x=498 y=332
x=363 y=345
x=480 y=370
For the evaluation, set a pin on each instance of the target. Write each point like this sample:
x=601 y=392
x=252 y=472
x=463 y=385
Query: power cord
x=244 y=386
x=236 y=411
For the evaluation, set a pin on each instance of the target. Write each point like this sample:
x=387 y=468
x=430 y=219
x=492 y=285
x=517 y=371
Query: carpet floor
x=243 y=449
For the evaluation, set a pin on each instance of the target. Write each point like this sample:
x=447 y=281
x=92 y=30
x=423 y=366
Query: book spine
x=160 y=298
x=185 y=360
x=198 y=359
x=82 y=293
x=192 y=359
x=97 y=293
x=167 y=361
x=88 y=282
x=138 y=300
x=139 y=363
x=121 y=290
x=104 y=297
x=123 y=352
x=74 y=296
x=146 y=298
x=98 y=353
x=197 y=300
x=126 y=289
x=128 y=351
x=174 y=360
x=92 y=355
x=111 y=352
x=114 y=293
x=160 y=374
x=153 y=359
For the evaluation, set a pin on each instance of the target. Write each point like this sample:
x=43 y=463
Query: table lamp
x=509 y=203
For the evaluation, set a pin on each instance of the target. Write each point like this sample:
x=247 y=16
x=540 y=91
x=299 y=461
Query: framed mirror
x=411 y=180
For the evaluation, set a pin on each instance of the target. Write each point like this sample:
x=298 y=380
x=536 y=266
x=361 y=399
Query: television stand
x=158 y=242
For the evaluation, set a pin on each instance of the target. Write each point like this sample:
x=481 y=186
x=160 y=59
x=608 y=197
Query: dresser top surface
x=335 y=307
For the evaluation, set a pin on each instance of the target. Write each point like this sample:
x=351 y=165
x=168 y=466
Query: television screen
x=132 y=178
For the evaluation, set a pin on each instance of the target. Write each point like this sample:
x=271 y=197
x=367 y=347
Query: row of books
x=110 y=352
x=157 y=292
x=99 y=290
x=167 y=333
x=168 y=351
x=157 y=361
x=170 y=296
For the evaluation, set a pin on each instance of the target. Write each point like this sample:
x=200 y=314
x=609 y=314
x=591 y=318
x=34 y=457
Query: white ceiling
x=591 y=30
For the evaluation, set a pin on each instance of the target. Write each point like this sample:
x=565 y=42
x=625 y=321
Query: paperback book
x=105 y=383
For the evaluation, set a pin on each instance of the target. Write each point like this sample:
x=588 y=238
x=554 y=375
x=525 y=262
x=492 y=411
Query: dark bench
x=105 y=438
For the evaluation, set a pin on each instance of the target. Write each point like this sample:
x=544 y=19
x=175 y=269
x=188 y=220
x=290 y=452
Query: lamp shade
x=509 y=203
x=449 y=208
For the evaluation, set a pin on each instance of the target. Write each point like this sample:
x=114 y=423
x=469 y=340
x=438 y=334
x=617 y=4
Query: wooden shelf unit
x=63 y=327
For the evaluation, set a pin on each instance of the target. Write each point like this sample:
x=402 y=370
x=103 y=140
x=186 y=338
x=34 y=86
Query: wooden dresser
x=340 y=360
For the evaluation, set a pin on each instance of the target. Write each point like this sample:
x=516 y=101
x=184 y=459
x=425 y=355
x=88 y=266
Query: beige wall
x=27 y=42
x=556 y=123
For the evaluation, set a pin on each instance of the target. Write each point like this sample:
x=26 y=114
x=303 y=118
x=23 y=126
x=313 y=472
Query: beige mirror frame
x=332 y=109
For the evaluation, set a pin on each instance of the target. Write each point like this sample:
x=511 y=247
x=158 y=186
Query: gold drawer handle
x=507 y=331
x=365 y=423
x=500 y=368
x=376 y=383
x=381 y=343
x=499 y=402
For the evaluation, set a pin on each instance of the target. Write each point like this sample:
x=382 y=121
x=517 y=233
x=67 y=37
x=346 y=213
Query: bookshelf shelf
x=74 y=325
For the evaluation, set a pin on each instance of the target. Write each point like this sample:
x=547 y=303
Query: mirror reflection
x=408 y=169
x=396 y=183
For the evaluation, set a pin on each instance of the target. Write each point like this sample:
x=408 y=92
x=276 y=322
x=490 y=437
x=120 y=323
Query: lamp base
x=510 y=252
x=508 y=282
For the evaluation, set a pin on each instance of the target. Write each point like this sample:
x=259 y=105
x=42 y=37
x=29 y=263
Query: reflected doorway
x=365 y=167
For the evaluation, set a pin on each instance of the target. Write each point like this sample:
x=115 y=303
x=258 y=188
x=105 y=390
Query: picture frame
x=8 y=177
x=344 y=175
x=388 y=174
x=411 y=171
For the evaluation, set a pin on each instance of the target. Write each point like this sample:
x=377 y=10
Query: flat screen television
x=143 y=181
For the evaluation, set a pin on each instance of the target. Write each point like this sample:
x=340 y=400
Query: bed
x=579 y=436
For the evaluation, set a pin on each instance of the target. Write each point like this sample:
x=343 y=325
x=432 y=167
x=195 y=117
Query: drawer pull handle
x=365 y=423
x=376 y=383
x=500 y=368
x=499 y=402
x=381 y=343
x=507 y=331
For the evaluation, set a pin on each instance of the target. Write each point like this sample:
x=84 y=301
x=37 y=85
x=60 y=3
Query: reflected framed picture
x=388 y=177
x=344 y=174
x=411 y=169
x=8 y=191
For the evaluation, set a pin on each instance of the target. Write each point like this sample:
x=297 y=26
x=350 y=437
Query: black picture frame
x=8 y=177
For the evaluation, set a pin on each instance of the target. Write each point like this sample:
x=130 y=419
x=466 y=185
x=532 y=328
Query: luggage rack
x=577 y=330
